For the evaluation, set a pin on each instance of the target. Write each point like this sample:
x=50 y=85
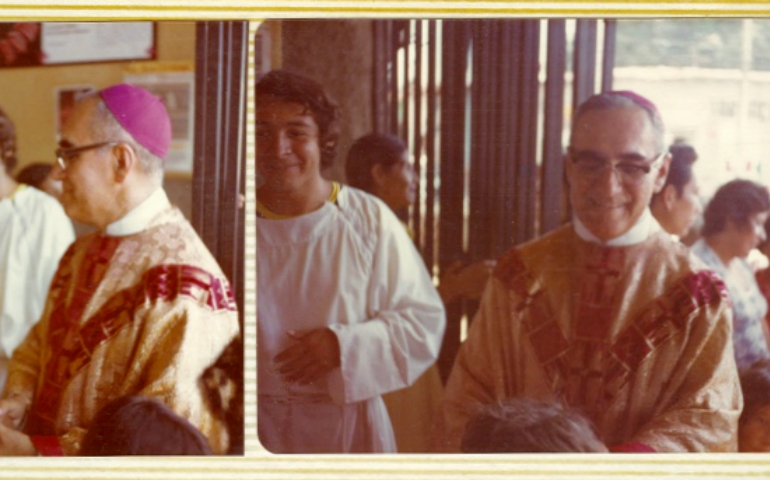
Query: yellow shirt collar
x=264 y=212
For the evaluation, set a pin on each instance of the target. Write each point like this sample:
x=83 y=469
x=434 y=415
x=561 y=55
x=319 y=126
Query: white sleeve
x=402 y=335
x=48 y=234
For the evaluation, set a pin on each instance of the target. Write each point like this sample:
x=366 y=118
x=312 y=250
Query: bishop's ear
x=125 y=160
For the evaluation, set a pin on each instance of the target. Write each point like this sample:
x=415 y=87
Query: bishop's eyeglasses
x=66 y=155
x=591 y=165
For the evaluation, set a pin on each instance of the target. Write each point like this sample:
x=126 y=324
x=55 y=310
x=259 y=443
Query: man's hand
x=15 y=444
x=12 y=412
x=459 y=281
x=313 y=356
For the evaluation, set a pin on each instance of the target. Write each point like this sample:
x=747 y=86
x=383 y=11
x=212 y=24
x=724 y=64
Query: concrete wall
x=337 y=53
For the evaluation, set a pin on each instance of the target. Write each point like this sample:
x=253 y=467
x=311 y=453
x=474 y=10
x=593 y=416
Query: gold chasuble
x=637 y=338
x=142 y=314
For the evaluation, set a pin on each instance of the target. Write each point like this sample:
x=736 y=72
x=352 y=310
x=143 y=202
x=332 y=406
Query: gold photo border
x=259 y=464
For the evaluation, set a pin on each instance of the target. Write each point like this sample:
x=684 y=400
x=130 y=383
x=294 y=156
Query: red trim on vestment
x=590 y=368
x=48 y=445
x=72 y=345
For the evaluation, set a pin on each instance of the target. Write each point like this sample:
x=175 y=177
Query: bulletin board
x=26 y=44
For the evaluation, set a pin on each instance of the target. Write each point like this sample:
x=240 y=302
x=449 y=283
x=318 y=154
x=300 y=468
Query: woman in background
x=733 y=225
x=677 y=206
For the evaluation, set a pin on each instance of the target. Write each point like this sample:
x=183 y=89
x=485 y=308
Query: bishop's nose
x=609 y=182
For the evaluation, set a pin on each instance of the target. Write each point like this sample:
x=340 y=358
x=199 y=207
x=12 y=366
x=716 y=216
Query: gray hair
x=106 y=127
x=612 y=100
x=525 y=425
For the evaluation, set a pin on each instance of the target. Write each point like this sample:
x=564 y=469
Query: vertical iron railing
x=429 y=247
x=219 y=150
x=551 y=193
x=585 y=61
x=526 y=133
x=416 y=140
x=464 y=93
x=483 y=137
x=454 y=57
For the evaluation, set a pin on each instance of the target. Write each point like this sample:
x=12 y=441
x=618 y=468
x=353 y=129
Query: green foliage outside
x=703 y=43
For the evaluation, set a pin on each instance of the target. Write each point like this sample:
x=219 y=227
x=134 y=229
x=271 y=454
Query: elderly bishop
x=139 y=307
x=607 y=315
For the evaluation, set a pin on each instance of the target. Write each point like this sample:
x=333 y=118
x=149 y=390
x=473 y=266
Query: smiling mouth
x=605 y=207
x=281 y=168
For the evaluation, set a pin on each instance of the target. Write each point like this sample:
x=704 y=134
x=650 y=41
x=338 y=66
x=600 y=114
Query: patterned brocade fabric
x=636 y=338
x=138 y=315
x=595 y=366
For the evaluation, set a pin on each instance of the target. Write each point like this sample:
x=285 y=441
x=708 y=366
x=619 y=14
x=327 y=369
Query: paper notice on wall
x=63 y=42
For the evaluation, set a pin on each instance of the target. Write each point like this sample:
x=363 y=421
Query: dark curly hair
x=295 y=88
x=135 y=425
x=736 y=201
x=368 y=151
x=34 y=174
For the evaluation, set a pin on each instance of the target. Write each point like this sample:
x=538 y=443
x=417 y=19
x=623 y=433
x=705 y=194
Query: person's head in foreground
x=111 y=152
x=298 y=127
x=677 y=205
x=615 y=162
x=135 y=425
x=378 y=163
x=39 y=175
x=734 y=220
x=524 y=425
x=754 y=424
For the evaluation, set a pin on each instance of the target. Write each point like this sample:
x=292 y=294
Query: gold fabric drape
x=143 y=314
x=637 y=338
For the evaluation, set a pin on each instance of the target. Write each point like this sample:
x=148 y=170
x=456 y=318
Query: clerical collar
x=643 y=229
x=139 y=217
